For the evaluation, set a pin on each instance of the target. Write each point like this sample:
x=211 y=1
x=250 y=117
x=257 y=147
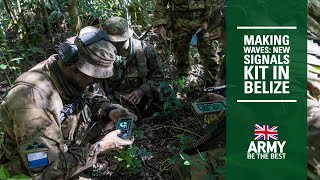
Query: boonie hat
x=117 y=29
x=96 y=53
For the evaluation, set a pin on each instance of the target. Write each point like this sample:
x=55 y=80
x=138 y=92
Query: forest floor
x=158 y=140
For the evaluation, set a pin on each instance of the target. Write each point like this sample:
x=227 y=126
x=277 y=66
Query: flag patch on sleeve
x=37 y=159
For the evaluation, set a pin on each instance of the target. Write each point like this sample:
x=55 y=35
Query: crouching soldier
x=136 y=79
x=46 y=117
x=209 y=164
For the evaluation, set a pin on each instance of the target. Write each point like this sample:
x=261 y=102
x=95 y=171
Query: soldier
x=188 y=17
x=46 y=118
x=211 y=163
x=136 y=79
x=219 y=32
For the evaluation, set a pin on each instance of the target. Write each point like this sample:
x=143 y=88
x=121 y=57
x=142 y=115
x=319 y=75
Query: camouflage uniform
x=188 y=17
x=219 y=32
x=31 y=125
x=208 y=165
x=36 y=142
x=144 y=72
x=141 y=70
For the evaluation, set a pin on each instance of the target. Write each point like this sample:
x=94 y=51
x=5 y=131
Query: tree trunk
x=45 y=15
x=75 y=23
x=6 y=5
x=24 y=27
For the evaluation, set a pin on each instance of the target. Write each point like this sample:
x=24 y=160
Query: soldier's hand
x=115 y=114
x=136 y=95
x=113 y=141
x=162 y=31
x=216 y=97
x=204 y=26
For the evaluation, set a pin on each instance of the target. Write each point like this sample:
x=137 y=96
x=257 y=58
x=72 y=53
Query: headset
x=68 y=51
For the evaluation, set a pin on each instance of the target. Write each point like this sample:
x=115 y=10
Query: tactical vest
x=141 y=60
x=137 y=53
x=188 y=5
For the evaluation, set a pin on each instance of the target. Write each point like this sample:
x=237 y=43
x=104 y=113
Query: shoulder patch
x=37 y=159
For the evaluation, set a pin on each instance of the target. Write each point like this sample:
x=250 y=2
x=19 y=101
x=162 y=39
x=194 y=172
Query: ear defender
x=93 y=37
x=68 y=53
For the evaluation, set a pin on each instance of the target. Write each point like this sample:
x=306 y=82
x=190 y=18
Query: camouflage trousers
x=183 y=30
x=222 y=74
x=207 y=165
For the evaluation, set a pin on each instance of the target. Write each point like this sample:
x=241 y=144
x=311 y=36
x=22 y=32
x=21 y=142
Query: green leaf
x=4 y=174
x=172 y=149
x=20 y=177
x=156 y=114
x=10 y=50
x=178 y=103
x=132 y=151
x=137 y=163
x=185 y=140
x=143 y=153
x=37 y=50
x=198 y=162
x=129 y=159
x=186 y=163
x=52 y=15
x=163 y=84
x=16 y=59
x=3 y=66
x=118 y=158
x=138 y=133
x=167 y=105
x=55 y=15
x=14 y=68
x=182 y=82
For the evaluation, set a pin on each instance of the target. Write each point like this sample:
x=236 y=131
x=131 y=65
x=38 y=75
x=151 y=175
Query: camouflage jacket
x=183 y=9
x=35 y=142
x=144 y=71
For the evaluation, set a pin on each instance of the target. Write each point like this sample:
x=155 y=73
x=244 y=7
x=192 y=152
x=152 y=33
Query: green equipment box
x=208 y=107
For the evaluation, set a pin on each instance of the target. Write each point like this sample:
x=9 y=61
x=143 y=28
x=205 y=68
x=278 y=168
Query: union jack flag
x=265 y=132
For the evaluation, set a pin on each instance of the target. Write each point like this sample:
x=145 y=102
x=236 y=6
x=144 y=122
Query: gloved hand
x=162 y=31
x=204 y=26
x=216 y=97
